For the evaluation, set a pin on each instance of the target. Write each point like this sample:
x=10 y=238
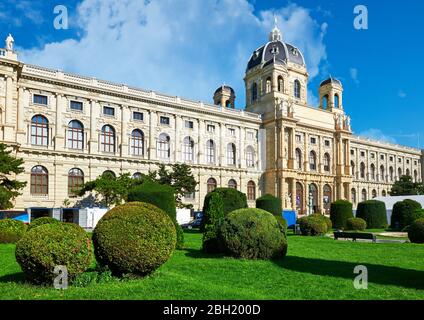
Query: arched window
x=327 y=198
x=211 y=184
x=75 y=135
x=352 y=167
x=336 y=101
x=109 y=174
x=39 y=131
x=364 y=195
x=391 y=173
x=297 y=89
x=251 y=191
x=384 y=193
x=298 y=155
x=313 y=191
x=268 y=85
x=362 y=170
x=164 y=148
x=75 y=181
x=137 y=142
x=408 y=173
x=232 y=184
x=312 y=161
x=382 y=173
x=137 y=175
x=254 y=91
x=374 y=194
x=188 y=150
x=415 y=176
x=372 y=172
x=250 y=157
x=39 y=181
x=280 y=84
x=399 y=173
x=299 y=197
x=325 y=102
x=231 y=154
x=210 y=152
x=327 y=163
x=107 y=139
x=353 y=196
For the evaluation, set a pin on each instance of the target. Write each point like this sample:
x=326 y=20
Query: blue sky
x=190 y=47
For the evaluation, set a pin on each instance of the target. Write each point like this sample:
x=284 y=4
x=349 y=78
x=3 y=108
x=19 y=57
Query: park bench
x=354 y=236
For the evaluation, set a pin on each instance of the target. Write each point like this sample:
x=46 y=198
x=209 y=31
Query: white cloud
x=402 y=94
x=377 y=134
x=354 y=75
x=185 y=48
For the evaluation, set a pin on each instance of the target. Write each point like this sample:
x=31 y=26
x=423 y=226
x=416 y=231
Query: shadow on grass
x=18 y=277
x=379 y=274
x=198 y=253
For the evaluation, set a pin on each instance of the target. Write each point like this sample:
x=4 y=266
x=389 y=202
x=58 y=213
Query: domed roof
x=224 y=87
x=331 y=80
x=275 y=51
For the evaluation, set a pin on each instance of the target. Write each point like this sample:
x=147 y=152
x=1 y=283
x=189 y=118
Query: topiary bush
x=55 y=244
x=322 y=217
x=134 y=239
x=11 y=230
x=416 y=231
x=161 y=196
x=252 y=234
x=356 y=224
x=40 y=221
x=312 y=226
x=283 y=224
x=340 y=212
x=404 y=213
x=212 y=219
x=374 y=213
x=232 y=199
x=270 y=203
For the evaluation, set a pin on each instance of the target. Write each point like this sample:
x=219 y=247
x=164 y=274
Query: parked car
x=192 y=224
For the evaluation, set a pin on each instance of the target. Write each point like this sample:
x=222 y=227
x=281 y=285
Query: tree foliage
x=9 y=187
x=406 y=187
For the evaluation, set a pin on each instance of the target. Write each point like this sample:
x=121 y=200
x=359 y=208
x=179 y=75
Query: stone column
x=94 y=139
x=9 y=110
x=222 y=146
x=201 y=145
x=242 y=148
x=293 y=192
x=306 y=154
x=152 y=135
x=59 y=135
x=178 y=139
x=20 y=134
x=292 y=148
x=125 y=118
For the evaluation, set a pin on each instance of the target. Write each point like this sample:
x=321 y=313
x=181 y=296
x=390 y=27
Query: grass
x=315 y=268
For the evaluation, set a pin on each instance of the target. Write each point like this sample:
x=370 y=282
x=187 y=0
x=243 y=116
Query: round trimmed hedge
x=232 y=199
x=374 y=213
x=161 y=196
x=322 y=217
x=312 y=226
x=252 y=234
x=283 y=224
x=41 y=221
x=340 y=212
x=55 y=244
x=134 y=238
x=404 y=213
x=416 y=231
x=357 y=224
x=11 y=230
x=270 y=203
x=213 y=217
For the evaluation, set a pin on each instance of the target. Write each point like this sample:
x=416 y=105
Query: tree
x=9 y=188
x=180 y=178
x=406 y=187
x=113 y=190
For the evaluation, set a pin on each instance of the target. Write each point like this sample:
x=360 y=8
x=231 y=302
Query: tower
x=331 y=95
x=225 y=97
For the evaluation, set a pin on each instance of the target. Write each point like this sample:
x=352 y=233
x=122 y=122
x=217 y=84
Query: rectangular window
x=327 y=143
x=407 y=161
x=211 y=128
x=391 y=159
x=190 y=196
x=400 y=160
x=109 y=111
x=372 y=155
x=298 y=138
x=76 y=105
x=250 y=135
x=138 y=116
x=189 y=124
x=232 y=132
x=313 y=140
x=40 y=99
x=352 y=152
x=164 y=121
x=382 y=157
x=362 y=154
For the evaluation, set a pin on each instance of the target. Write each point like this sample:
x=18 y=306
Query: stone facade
x=63 y=125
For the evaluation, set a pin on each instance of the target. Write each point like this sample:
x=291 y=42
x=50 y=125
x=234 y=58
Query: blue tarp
x=23 y=218
x=290 y=217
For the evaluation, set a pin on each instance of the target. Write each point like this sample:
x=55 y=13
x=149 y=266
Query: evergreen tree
x=9 y=188
x=406 y=187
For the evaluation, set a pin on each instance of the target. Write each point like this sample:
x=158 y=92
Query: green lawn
x=315 y=268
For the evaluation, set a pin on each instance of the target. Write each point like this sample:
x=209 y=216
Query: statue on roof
x=9 y=42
